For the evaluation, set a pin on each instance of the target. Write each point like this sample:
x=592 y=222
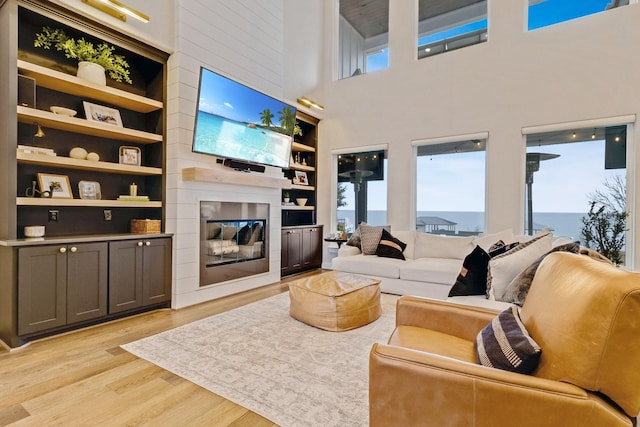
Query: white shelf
x=299 y=167
x=302 y=187
x=78 y=164
x=297 y=208
x=67 y=83
x=85 y=127
x=37 y=201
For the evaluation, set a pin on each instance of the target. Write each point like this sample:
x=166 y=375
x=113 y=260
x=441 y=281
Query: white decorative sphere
x=94 y=157
x=78 y=153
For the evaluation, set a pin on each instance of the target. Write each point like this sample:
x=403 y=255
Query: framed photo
x=129 y=156
x=89 y=190
x=301 y=176
x=58 y=185
x=100 y=113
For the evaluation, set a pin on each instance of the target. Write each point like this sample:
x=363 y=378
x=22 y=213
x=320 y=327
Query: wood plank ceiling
x=371 y=17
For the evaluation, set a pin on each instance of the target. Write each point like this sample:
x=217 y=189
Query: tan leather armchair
x=584 y=314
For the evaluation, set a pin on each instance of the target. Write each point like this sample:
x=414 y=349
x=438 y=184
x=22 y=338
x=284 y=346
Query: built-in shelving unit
x=304 y=163
x=89 y=266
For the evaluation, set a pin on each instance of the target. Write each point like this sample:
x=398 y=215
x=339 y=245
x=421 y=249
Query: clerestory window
x=543 y=13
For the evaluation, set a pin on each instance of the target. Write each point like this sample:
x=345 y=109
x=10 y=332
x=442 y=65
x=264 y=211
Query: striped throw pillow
x=505 y=344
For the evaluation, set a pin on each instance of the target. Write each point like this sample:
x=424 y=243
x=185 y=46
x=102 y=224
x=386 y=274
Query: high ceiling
x=371 y=17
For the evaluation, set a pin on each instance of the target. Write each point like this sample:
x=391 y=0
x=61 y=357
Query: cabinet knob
x=62 y=250
x=147 y=243
x=139 y=243
x=73 y=249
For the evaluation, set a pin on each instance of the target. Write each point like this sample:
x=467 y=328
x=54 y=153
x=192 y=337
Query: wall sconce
x=117 y=9
x=309 y=103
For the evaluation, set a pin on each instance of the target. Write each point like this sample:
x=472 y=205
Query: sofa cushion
x=370 y=237
x=486 y=240
x=408 y=237
x=503 y=268
x=505 y=344
x=390 y=247
x=517 y=290
x=369 y=265
x=435 y=246
x=472 y=279
x=433 y=270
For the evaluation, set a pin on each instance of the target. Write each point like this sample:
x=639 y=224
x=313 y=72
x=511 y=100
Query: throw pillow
x=370 y=237
x=505 y=344
x=435 y=246
x=229 y=232
x=472 y=279
x=485 y=240
x=244 y=235
x=503 y=268
x=354 y=239
x=500 y=247
x=390 y=247
x=516 y=292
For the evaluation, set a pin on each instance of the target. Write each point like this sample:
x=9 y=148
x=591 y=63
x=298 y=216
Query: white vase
x=92 y=72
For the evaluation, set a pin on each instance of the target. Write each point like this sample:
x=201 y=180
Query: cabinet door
x=42 y=283
x=156 y=271
x=291 y=251
x=312 y=247
x=87 y=265
x=125 y=275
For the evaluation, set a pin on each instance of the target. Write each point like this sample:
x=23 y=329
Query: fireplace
x=233 y=240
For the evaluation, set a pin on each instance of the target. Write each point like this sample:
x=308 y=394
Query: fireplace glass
x=234 y=241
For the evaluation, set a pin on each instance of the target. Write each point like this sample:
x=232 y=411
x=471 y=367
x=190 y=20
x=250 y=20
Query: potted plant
x=285 y=197
x=87 y=54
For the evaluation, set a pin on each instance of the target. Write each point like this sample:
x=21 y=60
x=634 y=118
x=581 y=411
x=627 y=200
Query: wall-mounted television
x=236 y=122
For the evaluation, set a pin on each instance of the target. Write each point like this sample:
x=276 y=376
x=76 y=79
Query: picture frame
x=301 y=177
x=58 y=185
x=89 y=190
x=102 y=114
x=129 y=155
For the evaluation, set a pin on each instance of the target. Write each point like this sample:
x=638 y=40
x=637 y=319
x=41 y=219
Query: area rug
x=262 y=359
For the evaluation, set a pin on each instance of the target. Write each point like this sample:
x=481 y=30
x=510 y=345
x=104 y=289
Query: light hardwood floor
x=84 y=378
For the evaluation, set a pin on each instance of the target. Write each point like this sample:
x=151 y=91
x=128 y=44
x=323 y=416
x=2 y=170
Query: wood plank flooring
x=84 y=378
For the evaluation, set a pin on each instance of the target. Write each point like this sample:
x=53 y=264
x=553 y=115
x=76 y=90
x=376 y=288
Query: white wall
x=579 y=70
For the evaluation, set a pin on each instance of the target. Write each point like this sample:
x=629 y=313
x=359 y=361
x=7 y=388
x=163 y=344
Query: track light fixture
x=117 y=9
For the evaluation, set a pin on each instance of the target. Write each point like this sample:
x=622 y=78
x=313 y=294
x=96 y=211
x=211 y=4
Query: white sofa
x=432 y=265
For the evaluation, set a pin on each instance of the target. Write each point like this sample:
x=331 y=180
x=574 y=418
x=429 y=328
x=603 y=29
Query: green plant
x=286 y=194
x=604 y=226
x=102 y=54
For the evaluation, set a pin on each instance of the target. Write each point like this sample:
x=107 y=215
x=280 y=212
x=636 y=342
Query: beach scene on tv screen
x=238 y=122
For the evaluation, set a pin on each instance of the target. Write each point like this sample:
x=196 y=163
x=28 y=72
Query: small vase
x=92 y=72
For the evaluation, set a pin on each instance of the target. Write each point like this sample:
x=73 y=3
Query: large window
x=450 y=187
x=445 y=26
x=542 y=13
x=575 y=185
x=363 y=37
x=362 y=189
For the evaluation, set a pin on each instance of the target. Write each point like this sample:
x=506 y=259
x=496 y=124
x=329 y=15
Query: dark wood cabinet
x=301 y=249
x=60 y=285
x=140 y=273
x=291 y=251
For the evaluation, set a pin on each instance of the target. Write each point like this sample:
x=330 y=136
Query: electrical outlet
x=53 y=215
x=107 y=214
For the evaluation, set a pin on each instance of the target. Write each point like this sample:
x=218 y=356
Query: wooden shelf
x=296 y=146
x=63 y=82
x=299 y=167
x=297 y=208
x=36 y=201
x=220 y=176
x=302 y=187
x=85 y=127
x=78 y=164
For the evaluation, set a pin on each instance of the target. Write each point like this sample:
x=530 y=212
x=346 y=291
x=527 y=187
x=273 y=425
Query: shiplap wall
x=243 y=40
x=351 y=50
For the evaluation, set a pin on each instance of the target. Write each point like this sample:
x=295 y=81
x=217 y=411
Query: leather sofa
x=585 y=316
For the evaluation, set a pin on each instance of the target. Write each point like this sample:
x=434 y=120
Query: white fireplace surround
x=224 y=185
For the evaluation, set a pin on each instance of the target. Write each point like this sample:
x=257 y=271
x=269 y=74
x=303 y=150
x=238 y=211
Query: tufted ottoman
x=335 y=301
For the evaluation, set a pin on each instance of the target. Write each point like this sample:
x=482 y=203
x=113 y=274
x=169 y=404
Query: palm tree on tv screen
x=266 y=117
x=287 y=120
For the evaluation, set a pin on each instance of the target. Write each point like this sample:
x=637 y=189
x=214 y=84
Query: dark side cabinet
x=60 y=285
x=140 y=273
x=301 y=249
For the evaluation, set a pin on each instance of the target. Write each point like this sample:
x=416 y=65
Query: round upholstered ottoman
x=335 y=301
